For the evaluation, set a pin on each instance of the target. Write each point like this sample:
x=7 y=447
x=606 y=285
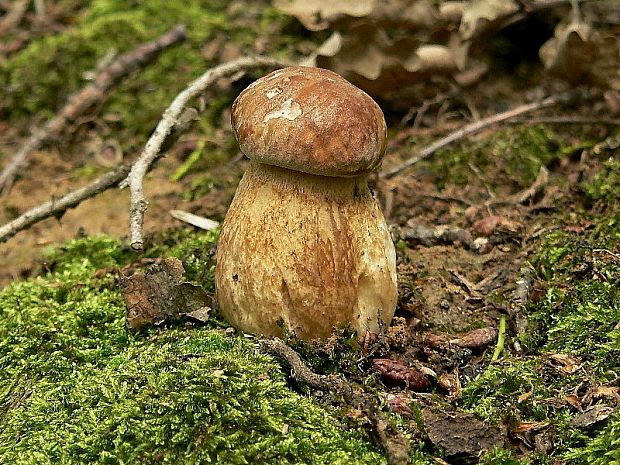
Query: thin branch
x=387 y=437
x=57 y=207
x=169 y=121
x=83 y=99
x=476 y=127
x=14 y=16
x=567 y=120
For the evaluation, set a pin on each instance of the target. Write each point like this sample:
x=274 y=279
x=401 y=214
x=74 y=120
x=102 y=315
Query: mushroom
x=304 y=246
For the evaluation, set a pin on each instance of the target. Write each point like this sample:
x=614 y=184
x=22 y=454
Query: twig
x=83 y=99
x=40 y=10
x=388 y=437
x=499 y=348
x=169 y=121
x=567 y=120
x=57 y=207
x=476 y=127
x=14 y=16
x=195 y=220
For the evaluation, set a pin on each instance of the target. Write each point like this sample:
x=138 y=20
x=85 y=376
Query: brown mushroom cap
x=310 y=120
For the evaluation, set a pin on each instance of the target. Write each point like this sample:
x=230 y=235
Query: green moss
x=512 y=156
x=39 y=79
x=606 y=184
x=577 y=316
x=603 y=449
x=495 y=394
x=77 y=388
x=581 y=308
x=500 y=457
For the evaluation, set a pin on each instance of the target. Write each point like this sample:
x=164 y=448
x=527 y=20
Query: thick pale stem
x=307 y=253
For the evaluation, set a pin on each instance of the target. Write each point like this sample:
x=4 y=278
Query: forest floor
x=505 y=347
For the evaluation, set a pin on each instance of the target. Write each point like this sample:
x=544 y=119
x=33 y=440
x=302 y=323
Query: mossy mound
x=576 y=317
x=78 y=388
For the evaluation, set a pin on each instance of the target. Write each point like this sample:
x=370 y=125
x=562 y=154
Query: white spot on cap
x=271 y=93
x=289 y=110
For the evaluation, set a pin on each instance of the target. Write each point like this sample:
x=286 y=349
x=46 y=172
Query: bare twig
x=389 y=438
x=567 y=120
x=538 y=186
x=195 y=220
x=169 y=121
x=40 y=10
x=14 y=16
x=83 y=99
x=57 y=207
x=476 y=127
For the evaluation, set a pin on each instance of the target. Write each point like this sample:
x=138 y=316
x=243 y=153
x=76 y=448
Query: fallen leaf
x=399 y=403
x=481 y=15
x=570 y=52
x=460 y=433
x=573 y=401
x=525 y=426
x=317 y=15
x=594 y=414
x=577 y=52
x=160 y=295
x=436 y=341
x=567 y=364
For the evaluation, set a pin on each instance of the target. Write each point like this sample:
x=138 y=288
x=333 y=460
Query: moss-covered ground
x=78 y=388
x=38 y=80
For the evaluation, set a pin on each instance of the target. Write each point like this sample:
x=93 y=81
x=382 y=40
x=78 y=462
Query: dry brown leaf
x=476 y=338
x=570 y=52
x=594 y=414
x=567 y=364
x=159 y=295
x=317 y=15
x=573 y=400
x=489 y=225
x=481 y=15
x=370 y=59
x=395 y=373
x=577 y=52
x=526 y=426
x=460 y=433
x=451 y=383
x=399 y=403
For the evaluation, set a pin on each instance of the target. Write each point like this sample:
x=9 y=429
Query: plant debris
x=460 y=434
x=160 y=295
x=395 y=373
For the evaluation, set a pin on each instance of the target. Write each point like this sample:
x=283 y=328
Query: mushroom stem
x=305 y=253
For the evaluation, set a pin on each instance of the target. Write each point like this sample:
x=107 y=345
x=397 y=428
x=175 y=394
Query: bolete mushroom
x=304 y=245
